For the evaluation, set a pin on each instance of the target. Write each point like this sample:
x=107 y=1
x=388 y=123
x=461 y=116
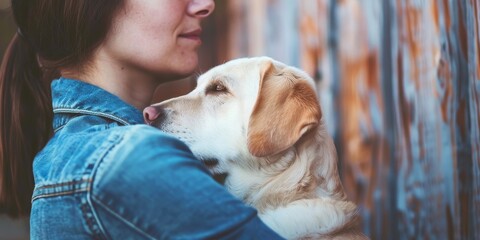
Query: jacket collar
x=77 y=97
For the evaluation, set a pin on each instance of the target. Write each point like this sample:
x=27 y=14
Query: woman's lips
x=192 y=35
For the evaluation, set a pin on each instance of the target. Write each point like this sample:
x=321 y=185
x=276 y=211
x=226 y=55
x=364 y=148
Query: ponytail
x=62 y=34
x=25 y=124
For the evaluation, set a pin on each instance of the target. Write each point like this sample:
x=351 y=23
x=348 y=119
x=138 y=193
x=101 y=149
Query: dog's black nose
x=152 y=113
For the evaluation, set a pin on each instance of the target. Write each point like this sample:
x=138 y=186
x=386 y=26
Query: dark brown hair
x=53 y=34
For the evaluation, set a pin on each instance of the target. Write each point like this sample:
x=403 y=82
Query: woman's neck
x=135 y=87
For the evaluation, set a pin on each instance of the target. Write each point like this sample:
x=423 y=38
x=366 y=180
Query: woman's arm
x=151 y=185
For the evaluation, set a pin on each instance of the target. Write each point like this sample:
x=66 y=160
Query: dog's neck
x=324 y=155
x=306 y=170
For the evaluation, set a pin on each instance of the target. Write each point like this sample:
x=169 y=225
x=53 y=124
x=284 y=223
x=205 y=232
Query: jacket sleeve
x=150 y=186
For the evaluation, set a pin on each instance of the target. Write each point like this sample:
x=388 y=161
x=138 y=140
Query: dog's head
x=247 y=108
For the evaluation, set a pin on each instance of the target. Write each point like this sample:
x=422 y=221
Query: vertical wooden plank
x=473 y=25
x=312 y=31
x=263 y=27
x=390 y=117
x=421 y=193
x=281 y=31
x=460 y=115
x=256 y=26
x=237 y=37
x=361 y=106
x=446 y=86
x=314 y=55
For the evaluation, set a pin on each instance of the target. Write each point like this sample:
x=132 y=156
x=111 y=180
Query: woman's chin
x=178 y=69
x=186 y=72
x=177 y=75
x=186 y=68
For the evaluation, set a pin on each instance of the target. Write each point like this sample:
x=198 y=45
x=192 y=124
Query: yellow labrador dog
x=259 y=121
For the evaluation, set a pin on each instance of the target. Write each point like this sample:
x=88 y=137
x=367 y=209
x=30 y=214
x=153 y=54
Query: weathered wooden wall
x=399 y=81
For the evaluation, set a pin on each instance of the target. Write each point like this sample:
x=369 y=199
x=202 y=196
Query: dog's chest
x=244 y=184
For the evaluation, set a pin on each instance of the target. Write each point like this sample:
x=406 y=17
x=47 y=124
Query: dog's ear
x=285 y=109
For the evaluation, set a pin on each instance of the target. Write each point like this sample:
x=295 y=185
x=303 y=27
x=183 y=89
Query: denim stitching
x=69 y=188
x=59 y=128
x=96 y=232
x=100 y=114
x=96 y=200
x=60 y=193
x=128 y=223
x=59 y=189
x=91 y=171
x=63 y=184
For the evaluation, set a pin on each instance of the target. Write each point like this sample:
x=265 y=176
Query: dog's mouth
x=210 y=163
x=220 y=177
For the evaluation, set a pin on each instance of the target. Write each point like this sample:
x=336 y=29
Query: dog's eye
x=216 y=88
x=220 y=88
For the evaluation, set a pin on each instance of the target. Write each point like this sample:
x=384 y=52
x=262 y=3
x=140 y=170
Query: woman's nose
x=201 y=8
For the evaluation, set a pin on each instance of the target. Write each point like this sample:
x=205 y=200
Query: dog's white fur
x=261 y=120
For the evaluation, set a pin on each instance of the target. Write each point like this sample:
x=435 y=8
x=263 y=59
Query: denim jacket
x=106 y=175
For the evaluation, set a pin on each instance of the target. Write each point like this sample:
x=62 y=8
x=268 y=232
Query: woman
x=99 y=172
